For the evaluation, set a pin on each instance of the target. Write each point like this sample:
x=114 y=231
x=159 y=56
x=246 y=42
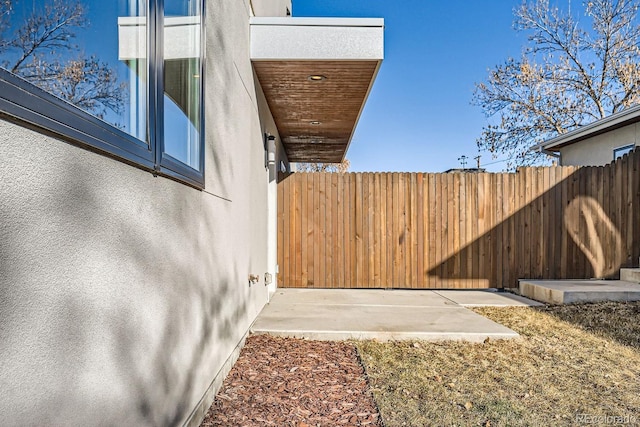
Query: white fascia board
x=629 y=115
x=281 y=39
x=318 y=22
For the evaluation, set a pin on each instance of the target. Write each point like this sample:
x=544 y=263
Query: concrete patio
x=338 y=314
x=580 y=291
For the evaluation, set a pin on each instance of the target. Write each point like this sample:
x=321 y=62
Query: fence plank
x=472 y=209
x=292 y=236
x=419 y=238
x=281 y=243
x=390 y=248
x=371 y=231
x=336 y=242
x=376 y=230
x=383 y=209
x=435 y=243
x=550 y=215
x=628 y=221
x=635 y=218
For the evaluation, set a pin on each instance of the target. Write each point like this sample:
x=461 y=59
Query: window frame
x=624 y=149
x=28 y=105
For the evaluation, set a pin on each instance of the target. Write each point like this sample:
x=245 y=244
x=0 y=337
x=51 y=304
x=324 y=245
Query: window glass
x=118 y=61
x=182 y=80
x=89 y=53
x=621 y=151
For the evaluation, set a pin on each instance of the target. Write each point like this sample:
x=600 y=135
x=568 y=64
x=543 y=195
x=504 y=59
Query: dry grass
x=582 y=359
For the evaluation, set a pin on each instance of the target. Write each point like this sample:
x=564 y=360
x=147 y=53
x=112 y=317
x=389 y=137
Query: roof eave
x=293 y=48
x=614 y=121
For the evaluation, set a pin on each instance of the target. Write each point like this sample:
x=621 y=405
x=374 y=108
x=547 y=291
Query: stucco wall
x=123 y=294
x=269 y=127
x=271 y=7
x=598 y=150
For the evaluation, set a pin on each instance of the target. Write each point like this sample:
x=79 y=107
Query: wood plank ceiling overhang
x=316 y=74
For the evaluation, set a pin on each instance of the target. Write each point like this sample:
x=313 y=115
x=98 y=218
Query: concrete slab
x=325 y=314
x=360 y=297
x=630 y=274
x=484 y=298
x=579 y=291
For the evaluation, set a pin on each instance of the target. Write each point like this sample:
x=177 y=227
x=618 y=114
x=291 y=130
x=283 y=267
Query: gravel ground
x=294 y=382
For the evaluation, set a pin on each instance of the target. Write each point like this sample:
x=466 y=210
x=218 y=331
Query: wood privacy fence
x=457 y=230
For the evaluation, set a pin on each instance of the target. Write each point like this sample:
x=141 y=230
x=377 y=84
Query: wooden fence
x=457 y=230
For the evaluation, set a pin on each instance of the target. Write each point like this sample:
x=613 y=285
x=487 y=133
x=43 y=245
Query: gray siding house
x=598 y=143
x=139 y=148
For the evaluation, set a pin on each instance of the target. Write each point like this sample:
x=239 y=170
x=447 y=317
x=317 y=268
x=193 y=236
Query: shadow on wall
x=128 y=304
x=228 y=97
x=188 y=308
x=164 y=393
x=204 y=317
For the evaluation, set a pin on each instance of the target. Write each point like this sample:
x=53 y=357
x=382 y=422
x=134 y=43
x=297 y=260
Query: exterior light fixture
x=270 y=148
x=316 y=78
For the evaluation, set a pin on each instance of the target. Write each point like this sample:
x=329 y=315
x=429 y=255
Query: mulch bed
x=294 y=382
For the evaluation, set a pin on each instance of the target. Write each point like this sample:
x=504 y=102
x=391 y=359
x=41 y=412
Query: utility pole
x=463 y=161
x=477 y=158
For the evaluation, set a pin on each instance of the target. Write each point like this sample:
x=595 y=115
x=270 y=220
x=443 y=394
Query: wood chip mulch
x=294 y=382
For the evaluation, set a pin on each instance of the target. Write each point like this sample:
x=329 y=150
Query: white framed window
x=121 y=77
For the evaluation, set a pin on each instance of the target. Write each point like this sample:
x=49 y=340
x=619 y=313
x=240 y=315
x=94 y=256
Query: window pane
x=182 y=80
x=90 y=53
x=621 y=151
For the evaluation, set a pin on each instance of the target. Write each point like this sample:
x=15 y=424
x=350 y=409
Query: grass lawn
x=570 y=360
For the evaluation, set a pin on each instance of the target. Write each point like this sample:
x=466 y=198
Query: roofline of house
x=614 y=121
x=317 y=22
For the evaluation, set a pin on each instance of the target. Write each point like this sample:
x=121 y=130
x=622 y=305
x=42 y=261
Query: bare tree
x=568 y=76
x=84 y=82
x=5 y=13
x=42 y=51
x=324 y=167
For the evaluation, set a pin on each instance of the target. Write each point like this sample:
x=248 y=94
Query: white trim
x=599 y=126
x=317 y=22
x=317 y=39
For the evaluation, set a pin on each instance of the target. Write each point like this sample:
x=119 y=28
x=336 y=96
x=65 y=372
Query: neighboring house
x=137 y=216
x=598 y=143
x=466 y=170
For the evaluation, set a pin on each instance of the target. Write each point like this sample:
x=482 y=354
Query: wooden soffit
x=316 y=118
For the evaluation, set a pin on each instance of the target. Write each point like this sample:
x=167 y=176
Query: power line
x=496 y=162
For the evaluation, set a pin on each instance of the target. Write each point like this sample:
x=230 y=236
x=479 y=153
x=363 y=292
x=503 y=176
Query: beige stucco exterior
x=598 y=150
x=271 y=7
x=124 y=296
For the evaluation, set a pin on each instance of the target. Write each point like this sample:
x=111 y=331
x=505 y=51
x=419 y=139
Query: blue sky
x=418 y=117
